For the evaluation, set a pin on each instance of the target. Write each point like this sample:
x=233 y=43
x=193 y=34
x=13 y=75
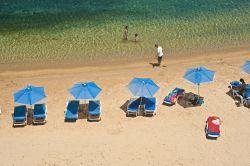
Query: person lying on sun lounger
x=242 y=87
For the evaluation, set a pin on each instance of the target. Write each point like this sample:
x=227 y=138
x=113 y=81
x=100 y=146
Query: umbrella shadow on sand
x=30 y=116
x=124 y=109
x=124 y=106
x=83 y=111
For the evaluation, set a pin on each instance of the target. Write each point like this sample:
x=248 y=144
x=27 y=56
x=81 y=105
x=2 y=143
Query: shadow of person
x=154 y=64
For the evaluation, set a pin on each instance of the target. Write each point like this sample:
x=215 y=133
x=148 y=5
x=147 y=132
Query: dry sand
x=175 y=136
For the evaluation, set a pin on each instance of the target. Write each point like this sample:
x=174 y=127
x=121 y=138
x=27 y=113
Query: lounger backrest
x=94 y=107
x=20 y=111
x=134 y=104
x=150 y=103
x=39 y=109
x=73 y=106
x=235 y=83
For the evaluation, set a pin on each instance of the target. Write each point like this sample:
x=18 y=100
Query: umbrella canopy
x=29 y=94
x=199 y=75
x=85 y=90
x=143 y=87
x=246 y=67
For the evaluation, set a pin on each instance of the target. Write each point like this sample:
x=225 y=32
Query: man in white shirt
x=159 y=53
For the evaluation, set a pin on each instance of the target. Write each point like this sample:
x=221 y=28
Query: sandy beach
x=175 y=136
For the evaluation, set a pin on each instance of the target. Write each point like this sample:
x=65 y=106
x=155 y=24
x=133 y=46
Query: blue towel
x=72 y=109
x=235 y=83
x=150 y=104
x=20 y=112
x=213 y=133
x=134 y=104
x=39 y=111
x=94 y=107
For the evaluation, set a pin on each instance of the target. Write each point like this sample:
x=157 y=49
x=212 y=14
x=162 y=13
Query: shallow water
x=39 y=30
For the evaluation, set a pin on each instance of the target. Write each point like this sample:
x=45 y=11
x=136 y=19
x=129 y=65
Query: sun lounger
x=213 y=127
x=234 y=87
x=71 y=112
x=171 y=98
x=150 y=106
x=133 y=106
x=245 y=100
x=20 y=116
x=40 y=111
x=94 y=110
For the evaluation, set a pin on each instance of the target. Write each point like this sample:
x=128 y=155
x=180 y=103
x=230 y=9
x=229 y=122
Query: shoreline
x=118 y=61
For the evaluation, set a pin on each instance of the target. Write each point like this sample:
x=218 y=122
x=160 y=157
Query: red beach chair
x=213 y=127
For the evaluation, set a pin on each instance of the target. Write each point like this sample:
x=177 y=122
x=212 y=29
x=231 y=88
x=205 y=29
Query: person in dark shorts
x=159 y=53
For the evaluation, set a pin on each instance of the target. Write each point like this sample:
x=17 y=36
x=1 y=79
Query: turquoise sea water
x=83 y=29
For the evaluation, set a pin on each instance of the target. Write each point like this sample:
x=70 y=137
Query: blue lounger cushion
x=247 y=94
x=133 y=105
x=94 y=107
x=213 y=134
x=72 y=110
x=39 y=111
x=150 y=104
x=235 y=83
x=20 y=113
x=248 y=87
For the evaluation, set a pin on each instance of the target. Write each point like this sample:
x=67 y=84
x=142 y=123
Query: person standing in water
x=125 y=33
x=136 y=37
x=159 y=51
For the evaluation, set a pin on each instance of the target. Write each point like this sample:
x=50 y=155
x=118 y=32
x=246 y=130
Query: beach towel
x=171 y=98
x=213 y=124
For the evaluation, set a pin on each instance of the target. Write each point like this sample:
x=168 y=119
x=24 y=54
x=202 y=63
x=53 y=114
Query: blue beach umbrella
x=143 y=87
x=246 y=67
x=85 y=90
x=29 y=95
x=199 y=75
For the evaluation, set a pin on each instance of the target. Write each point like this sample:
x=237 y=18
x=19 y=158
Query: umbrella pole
x=86 y=108
x=141 y=105
x=198 y=89
x=31 y=111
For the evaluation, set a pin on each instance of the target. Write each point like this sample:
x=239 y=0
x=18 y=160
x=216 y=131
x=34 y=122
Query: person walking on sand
x=125 y=33
x=159 y=53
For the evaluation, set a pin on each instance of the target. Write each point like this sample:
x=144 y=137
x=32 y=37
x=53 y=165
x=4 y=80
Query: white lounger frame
x=24 y=123
x=134 y=113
